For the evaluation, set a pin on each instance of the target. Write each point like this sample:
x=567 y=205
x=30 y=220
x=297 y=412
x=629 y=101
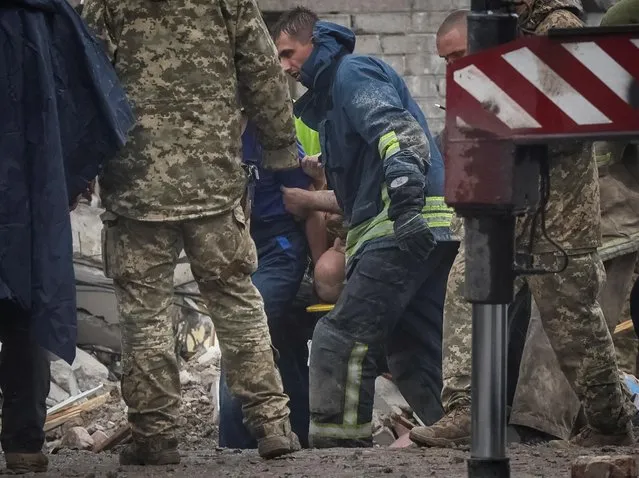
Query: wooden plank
x=121 y=435
x=72 y=400
x=623 y=326
x=57 y=419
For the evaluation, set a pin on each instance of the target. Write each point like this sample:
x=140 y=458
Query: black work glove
x=413 y=235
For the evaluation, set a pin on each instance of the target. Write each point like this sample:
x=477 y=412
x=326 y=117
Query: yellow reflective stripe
x=435 y=211
x=436 y=201
x=388 y=145
x=384 y=229
x=353 y=383
x=348 y=432
x=603 y=159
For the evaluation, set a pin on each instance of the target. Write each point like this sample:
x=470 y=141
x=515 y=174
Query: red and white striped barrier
x=539 y=88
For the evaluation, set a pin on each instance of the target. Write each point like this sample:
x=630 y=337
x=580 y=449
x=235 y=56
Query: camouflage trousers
x=544 y=399
x=141 y=258
x=576 y=330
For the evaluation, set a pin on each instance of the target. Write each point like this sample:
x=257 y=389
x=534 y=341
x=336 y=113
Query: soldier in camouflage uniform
x=179 y=185
x=568 y=302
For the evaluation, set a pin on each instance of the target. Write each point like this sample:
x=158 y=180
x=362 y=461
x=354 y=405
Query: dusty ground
x=526 y=462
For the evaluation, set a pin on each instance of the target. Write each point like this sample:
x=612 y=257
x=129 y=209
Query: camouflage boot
x=452 y=430
x=20 y=463
x=591 y=438
x=277 y=441
x=157 y=451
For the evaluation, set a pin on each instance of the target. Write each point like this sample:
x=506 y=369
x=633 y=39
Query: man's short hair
x=298 y=23
x=453 y=21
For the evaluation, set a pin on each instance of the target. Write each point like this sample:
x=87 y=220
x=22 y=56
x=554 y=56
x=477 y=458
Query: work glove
x=413 y=235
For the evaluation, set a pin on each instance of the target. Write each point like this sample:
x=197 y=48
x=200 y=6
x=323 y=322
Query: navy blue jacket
x=62 y=114
x=268 y=204
x=372 y=132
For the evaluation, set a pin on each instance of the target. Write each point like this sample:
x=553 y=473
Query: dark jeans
x=24 y=380
x=391 y=305
x=282 y=261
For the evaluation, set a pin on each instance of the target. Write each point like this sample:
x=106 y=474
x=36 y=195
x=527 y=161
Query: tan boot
x=452 y=430
x=20 y=463
x=158 y=451
x=589 y=437
x=277 y=441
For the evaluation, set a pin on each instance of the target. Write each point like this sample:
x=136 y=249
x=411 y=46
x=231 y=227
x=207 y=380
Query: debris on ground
x=623 y=466
x=393 y=417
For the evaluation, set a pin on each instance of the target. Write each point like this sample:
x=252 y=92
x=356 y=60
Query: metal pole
x=489 y=282
x=488 y=438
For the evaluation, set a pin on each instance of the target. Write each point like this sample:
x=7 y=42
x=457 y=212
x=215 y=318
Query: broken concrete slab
x=88 y=371
x=387 y=396
x=63 y=376
x=56 y=394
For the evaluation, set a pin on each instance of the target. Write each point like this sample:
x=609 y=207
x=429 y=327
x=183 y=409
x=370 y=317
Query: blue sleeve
x=374 y=109
x=294 y=178
x=251 y=147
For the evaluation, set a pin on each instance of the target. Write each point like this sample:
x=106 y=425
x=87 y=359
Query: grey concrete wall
x=401 y=32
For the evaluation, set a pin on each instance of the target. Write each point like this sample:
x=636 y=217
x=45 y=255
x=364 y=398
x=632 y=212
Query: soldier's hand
x=295 y=201
x=413 y=235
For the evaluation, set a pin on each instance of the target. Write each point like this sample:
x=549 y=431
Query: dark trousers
x=282 y=261
x=391 y=305
x=24 y=381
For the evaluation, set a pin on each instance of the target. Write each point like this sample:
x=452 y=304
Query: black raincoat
x=63 y=114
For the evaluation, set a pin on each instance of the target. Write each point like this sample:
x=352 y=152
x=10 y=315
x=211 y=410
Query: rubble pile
x=86 y=410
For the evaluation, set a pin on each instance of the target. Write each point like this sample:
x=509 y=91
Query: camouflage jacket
x=572 y=212
x=184 y=65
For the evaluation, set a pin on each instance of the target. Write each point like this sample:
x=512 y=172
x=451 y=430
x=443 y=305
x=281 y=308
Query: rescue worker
x=568 y=301
x=387 y=176
x=180 y=185
x=283 y=245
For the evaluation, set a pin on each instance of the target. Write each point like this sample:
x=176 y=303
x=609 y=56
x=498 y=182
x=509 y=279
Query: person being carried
x=283 y=245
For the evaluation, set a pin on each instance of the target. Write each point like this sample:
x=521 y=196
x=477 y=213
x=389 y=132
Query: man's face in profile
x=293 y=54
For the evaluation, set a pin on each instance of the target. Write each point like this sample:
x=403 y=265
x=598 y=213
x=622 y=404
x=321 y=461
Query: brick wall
x=401 y=32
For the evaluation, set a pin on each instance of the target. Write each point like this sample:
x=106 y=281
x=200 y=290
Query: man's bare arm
x=299 y=201
x=325 y=201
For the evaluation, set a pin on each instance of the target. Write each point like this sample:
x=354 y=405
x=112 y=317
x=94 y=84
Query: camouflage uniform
x=179 y=184
x=568 y=302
